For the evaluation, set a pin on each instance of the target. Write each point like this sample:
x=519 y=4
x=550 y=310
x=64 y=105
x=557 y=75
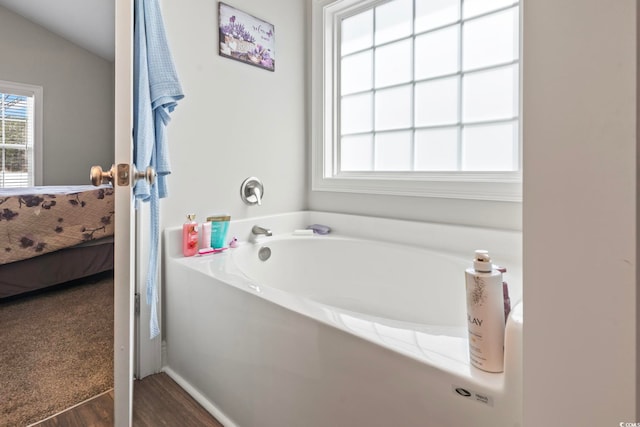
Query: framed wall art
x=245 y=38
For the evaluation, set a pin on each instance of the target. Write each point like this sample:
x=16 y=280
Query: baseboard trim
x=200 y=398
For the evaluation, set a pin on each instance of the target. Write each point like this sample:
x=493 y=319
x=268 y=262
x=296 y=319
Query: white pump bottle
x=485 y=314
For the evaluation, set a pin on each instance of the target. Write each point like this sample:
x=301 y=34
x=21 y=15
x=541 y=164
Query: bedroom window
x=20 y=138
x=417 y=97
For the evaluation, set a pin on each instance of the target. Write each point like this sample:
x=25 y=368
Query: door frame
x=148 y=352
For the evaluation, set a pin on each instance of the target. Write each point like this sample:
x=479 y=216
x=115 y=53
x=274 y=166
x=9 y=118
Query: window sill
x=470 y=186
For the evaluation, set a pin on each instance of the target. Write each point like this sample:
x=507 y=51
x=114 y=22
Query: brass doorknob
x=99 y=177
x=149 y=174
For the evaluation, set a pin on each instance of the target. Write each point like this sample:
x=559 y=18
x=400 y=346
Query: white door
x=125 y=224
x=124 y=218
x=126 y=235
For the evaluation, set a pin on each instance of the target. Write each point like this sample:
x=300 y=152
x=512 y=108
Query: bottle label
x=485 y=320
x=474 y=321
x=189 y=239
x=477 y=294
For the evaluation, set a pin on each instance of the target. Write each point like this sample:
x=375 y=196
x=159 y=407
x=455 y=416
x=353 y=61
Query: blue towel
x=156 y=92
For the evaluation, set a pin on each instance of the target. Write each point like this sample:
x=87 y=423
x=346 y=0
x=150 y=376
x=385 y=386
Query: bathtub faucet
x=256 y=230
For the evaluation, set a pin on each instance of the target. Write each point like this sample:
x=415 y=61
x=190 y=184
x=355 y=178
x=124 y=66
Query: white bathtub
x=339 y=330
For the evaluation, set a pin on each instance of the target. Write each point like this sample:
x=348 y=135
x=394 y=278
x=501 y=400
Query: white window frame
x=326 y=17
x=36 y=92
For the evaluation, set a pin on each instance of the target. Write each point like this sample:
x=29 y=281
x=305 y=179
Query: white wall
x=580 y=236
x=236 y=120
x=78 y=97
x=501 y=215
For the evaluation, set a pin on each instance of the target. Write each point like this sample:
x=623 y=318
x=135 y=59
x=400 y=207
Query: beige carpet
x=56 y=350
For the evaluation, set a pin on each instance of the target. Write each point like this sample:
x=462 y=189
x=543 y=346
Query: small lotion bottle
x=219 y=228
x=190 y=236
x=485 y=314
x=205 y=237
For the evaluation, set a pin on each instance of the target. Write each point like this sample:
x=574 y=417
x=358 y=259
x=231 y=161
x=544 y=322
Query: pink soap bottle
x=190 y=236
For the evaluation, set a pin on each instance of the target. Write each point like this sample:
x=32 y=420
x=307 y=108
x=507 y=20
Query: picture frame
x=245 y=38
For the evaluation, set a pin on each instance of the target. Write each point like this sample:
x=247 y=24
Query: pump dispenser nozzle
x=482 y=261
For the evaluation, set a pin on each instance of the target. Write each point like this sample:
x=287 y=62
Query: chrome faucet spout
x=256 y=230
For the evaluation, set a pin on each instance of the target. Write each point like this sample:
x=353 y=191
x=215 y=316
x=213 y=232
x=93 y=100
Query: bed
x=54 y=234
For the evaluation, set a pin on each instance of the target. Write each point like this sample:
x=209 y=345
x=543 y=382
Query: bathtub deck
x=158 y=400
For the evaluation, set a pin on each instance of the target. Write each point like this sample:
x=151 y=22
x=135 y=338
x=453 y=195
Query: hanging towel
x=155 y=95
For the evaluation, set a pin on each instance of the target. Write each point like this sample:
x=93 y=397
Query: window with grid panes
x=420 y=90
x=17 y=135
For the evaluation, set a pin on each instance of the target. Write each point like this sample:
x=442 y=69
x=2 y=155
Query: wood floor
x=157 y=401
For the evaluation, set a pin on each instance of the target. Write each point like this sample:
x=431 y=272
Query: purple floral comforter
x=38 y=220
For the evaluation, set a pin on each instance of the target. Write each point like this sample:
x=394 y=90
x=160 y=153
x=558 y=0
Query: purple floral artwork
x=246 y=38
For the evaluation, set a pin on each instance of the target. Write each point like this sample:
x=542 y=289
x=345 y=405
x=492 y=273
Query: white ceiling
x=87 y=23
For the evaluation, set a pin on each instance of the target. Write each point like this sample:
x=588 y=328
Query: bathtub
x=361 y=327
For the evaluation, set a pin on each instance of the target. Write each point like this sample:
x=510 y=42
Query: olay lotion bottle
x=485 y=314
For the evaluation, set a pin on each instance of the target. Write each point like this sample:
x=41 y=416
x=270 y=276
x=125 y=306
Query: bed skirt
x=56 y=267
